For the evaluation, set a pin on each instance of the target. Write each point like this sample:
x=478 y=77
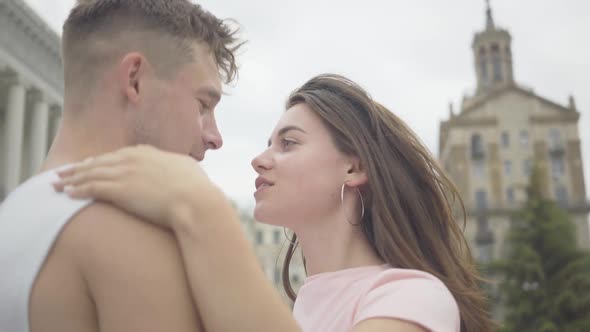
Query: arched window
x=483 y=64
x=496 y=63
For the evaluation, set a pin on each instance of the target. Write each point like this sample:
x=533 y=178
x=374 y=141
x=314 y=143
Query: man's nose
x=212 y=136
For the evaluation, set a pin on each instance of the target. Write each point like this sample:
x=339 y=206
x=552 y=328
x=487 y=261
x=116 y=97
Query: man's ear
x=131 y=71
x=356 y=175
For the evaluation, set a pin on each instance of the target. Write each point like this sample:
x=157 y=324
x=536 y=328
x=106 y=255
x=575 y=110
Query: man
x=136 y=72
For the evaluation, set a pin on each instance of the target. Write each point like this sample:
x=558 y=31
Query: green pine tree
x=544 y=278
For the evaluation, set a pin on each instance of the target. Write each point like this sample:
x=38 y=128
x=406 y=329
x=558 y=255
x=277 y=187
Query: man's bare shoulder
x=134 y=271
x=102 y=228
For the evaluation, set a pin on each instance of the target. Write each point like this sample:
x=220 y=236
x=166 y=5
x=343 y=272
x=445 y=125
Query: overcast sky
x=412 y=56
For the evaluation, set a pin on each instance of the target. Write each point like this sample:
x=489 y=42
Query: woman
x=369 y=206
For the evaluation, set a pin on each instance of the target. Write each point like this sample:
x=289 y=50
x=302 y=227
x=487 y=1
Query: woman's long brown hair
x=409 y=219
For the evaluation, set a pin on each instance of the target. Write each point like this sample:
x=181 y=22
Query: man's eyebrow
x=286 y=129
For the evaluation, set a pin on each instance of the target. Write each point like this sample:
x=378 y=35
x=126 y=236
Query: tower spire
x=493 y=56
x=489 y=18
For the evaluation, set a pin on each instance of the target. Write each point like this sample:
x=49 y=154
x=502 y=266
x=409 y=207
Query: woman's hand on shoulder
x=150 y=183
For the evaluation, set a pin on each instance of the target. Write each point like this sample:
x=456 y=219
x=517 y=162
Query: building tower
x=490 y=145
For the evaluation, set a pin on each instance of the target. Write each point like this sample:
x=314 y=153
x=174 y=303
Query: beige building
x=31 y=92
x=270 y=244
x=490 y=145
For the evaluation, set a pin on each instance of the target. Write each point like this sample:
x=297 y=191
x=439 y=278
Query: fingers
x=102 y=168
x=99 y=190
x=109 y=159
x=124 y=155
x=90 y=175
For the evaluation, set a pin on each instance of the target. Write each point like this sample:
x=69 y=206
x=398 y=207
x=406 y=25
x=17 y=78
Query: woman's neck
x=334 y=246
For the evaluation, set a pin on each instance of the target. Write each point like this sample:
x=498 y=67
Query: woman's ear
x=356 y=175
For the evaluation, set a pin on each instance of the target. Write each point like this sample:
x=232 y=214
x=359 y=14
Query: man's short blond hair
x=98 y=32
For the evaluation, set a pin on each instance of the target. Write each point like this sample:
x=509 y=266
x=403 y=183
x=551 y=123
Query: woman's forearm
x=229 y=288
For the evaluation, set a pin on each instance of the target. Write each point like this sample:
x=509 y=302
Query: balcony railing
x=557 y=150
x=509 y=209
x=477 y=154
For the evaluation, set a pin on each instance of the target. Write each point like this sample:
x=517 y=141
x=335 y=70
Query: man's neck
x=78 y=140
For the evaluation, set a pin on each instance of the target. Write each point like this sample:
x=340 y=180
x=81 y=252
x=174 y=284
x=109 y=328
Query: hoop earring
x=287 y=237
x=362 y=204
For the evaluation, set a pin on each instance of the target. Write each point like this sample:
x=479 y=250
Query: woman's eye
x=287 y=143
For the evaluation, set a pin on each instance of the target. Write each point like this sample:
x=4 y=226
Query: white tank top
x=31 y=219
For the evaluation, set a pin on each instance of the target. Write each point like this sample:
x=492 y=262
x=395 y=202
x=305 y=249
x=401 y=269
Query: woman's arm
x=227 y=283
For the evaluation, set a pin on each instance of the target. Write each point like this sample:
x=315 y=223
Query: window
x=524 y=139
x=483 y=225
x=277 y=236
x=477 y=151
x=497 y=68
x=527 y=167
x=505 y=139
x=259 y=237
x=557 y=166
x=481 y=200
x=479 y=169
x=296 y=279
x=510 y=196
x=484 y=240
x=554 y=139
x=507 y=167
x=496 y=63
x=483 y=68
x=561 y=196
x=485 y=252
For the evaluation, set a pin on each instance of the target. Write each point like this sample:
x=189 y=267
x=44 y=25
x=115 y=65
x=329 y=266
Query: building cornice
x=26 y=38
x=34 y=21
x=475 y=103
x=473 y=122
x=569 y=117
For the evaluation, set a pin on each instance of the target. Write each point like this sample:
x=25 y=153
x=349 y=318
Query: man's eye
x=203 y=107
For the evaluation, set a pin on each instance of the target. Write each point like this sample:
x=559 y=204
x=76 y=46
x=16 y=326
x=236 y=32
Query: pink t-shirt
x=337 y=301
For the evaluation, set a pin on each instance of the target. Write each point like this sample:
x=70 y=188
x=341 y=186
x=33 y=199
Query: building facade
x=270 y=245
x=31 y=92
x=491 y=144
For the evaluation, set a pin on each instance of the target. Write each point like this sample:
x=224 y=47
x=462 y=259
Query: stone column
x=39 y=131
x=15 y=118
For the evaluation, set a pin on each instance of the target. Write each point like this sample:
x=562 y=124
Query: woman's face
x=301 y=172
